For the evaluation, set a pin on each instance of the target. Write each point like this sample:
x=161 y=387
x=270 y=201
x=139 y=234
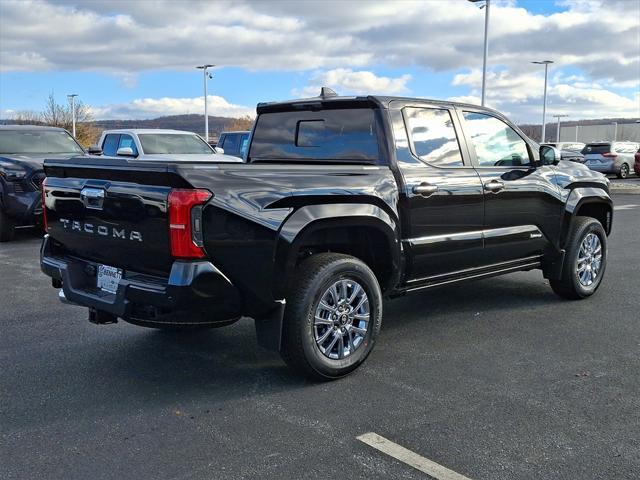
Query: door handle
x=424 y=189
x=494 y=186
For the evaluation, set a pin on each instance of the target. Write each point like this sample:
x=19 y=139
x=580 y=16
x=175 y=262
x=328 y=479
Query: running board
x=474 y=274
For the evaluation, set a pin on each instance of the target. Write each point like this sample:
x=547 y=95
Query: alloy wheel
x=341 y=319
x=589 y=260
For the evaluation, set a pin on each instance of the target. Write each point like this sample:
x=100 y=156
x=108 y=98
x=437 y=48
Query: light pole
x=615 y=131
x=559 y=116
x=73 y=112
x=486 y=6
x=206 y=113
x=544 y=101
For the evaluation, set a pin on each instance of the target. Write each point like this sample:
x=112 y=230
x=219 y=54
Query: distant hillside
x=190 y=123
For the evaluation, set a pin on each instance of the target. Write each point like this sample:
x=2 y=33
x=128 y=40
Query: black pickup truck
x=343 y=201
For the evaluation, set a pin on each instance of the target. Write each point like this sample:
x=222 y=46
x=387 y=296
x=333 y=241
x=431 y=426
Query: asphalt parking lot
x=497 y=379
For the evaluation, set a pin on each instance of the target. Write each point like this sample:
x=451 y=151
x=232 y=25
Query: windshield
x=37 y=141
x=167 y=143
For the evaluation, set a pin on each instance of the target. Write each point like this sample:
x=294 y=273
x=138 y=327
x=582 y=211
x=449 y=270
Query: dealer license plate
x=108 y=278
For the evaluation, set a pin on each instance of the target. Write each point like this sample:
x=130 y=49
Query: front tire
x=585 y=260
x=333 y=316
x=7 y=229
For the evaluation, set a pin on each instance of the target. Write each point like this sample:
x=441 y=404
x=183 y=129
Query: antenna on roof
x=326 y=92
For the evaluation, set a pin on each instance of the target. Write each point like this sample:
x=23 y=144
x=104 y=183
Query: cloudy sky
x=136 y=58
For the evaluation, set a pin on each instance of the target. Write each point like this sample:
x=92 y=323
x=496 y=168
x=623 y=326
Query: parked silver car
x=156 y=144
x=610 y=157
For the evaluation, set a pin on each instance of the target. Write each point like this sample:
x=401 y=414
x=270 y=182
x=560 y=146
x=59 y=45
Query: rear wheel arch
x=368 y=234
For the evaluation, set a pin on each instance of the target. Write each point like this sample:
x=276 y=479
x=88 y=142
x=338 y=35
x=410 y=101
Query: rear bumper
x=608 y=167
x=193 y=293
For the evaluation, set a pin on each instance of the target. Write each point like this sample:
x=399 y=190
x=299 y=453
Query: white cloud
x=348 y=82
x=521 y=95
x=440 y=35
x=145 y=108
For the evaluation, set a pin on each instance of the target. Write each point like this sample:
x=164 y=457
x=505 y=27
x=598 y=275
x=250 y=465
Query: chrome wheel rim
x=624 y=171
x=341 y=319
x=589 y=260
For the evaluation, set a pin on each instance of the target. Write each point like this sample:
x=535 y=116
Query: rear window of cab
x=325 y=136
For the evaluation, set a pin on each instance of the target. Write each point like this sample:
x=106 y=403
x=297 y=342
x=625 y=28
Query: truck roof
x=380 y=101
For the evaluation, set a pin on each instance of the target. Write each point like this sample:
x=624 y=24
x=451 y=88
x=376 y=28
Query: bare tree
x=60 y=115
x=241 y=123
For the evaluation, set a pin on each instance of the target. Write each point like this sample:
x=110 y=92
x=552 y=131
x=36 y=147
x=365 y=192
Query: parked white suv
x=159 y=144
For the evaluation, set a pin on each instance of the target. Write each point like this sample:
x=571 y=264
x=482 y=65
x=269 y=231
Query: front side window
x=37 y=142
x=173 y=143
x=433 y=136
x=336 y=136
x=496 y=143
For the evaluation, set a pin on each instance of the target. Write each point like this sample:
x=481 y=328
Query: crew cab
x=159 y=144
x=343 y=201
x=22 y=152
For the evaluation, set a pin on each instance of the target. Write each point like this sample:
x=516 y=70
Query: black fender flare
x=312 y=218
x=581 y=196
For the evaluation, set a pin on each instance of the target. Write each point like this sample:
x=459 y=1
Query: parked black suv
x=22 y=152
x=343 y=201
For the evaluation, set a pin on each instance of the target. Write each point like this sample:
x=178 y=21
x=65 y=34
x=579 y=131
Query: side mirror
x=549 y=155
x=94 y=150
x=219 y=150
x=125 y=152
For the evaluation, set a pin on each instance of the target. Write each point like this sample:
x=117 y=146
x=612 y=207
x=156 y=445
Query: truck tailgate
x=119 y=219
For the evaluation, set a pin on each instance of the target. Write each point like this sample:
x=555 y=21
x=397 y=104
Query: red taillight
x=185 y=222
x=610 y=155
x=43 y=194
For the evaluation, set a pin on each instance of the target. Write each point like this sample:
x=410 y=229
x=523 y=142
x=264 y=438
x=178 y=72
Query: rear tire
x=585 y=260
x=7 y=230
x=333 y=316
x=624 y=171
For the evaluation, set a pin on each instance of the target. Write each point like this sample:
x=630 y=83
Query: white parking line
x=418 y=462
x=625 y=207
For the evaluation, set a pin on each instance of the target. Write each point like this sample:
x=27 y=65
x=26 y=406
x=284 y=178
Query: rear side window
x=110 y=144
x=231 y=144
x=342 y=135
x=433 y=136
x=597 y=148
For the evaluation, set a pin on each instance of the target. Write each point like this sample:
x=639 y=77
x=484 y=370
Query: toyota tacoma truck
x=343 y=201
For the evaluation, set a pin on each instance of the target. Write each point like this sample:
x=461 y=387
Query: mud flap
x=269 y=328
x=552 y=268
